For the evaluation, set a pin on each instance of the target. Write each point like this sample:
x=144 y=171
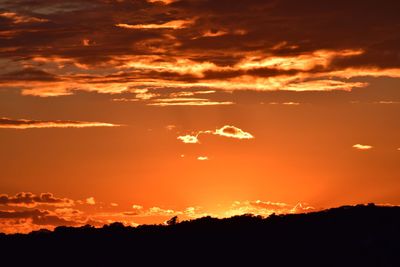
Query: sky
x=139 y=110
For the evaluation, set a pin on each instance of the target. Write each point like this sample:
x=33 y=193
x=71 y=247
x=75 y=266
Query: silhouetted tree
x=174 y=220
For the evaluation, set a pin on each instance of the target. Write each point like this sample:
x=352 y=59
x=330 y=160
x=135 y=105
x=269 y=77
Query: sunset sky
x=137 y=111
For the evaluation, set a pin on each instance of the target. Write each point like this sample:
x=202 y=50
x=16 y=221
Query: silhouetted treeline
x=362 y=235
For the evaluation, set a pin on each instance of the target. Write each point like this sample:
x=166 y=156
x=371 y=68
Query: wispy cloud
x=362 y=147
x=19 y=19
x=175 y=24
x=6 y=123
x=188 y=102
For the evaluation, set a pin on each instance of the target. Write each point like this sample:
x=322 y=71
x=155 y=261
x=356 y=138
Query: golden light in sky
x=137 y=111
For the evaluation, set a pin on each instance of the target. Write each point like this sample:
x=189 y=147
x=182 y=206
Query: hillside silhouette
x=362 y=235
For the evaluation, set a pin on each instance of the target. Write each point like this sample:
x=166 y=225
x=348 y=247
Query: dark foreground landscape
x=362 y=235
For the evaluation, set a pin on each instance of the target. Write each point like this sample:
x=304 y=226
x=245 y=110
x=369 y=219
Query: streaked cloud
x=18 y=19
x=285 y=103
x=167 y=102
x=175 y=24
x=225 y=131
x=362 y=147
x=166 y=2
x=190 y=93
x=27 y=199
x=388 y=102
x=6 y=123
x=192 y=45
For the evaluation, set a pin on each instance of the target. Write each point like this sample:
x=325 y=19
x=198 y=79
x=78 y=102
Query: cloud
x=189 y=139
x=6 y=123
x=30 y=220
x=192 y=45
x=157 y=211
x=174 y=25
x=18 y=19
x=190 y=93
x=188 y=102
x=225 y=131
x=26 y=199
x=137 y=207
x=90 y=201
x=170 y=127
x=266 y=208
x=285 y=103
x=388 y=102
x=202 y=158
x=166 y=2
x=362 y=147
x=233 y=132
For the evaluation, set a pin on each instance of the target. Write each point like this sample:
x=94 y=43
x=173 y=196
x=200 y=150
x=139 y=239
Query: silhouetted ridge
x=362 y=235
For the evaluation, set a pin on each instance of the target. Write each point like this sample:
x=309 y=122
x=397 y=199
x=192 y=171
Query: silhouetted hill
x=362 y=235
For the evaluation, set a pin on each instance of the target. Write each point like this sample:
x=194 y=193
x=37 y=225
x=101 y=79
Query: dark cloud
x=7 y=123
x=38 y=217
x=29 y=74
x=28 y=199
x=48 y=46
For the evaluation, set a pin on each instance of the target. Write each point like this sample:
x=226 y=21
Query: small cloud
x=214 y=33
x=113 y=204
x=285 y=103
x=137 y=207
x=170 y=127
x=157 y=211
x=173 y=25
x=362 y=147
x=144 y=94
x=291 y=103
x=165 y=2
x=191 y=93
x=182 y=155
x=388 y=102
x=189 y=139
x=233 y=132
x=125 y=99
x=86 y=42
x=90 y=201
x=226 y=131
x=19 y=19
x=185 y=101
x=202 y=158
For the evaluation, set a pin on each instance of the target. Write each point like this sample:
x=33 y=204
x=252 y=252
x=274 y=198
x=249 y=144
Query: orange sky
x=137 y=110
